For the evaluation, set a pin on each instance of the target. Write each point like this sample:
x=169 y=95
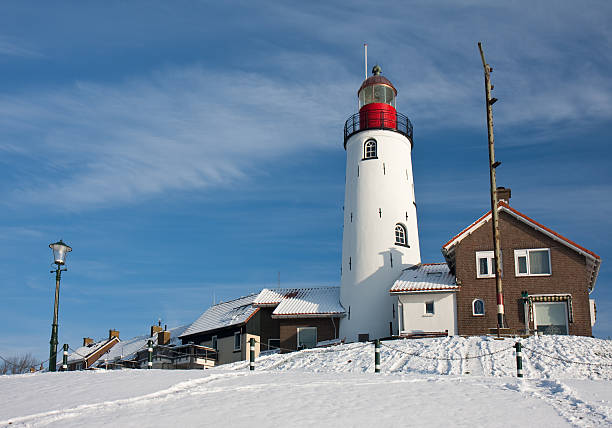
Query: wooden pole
x=494 y=214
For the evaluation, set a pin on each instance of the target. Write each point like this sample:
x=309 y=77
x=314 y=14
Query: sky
x=189 y=152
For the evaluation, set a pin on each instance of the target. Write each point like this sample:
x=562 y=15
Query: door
x=551 y=318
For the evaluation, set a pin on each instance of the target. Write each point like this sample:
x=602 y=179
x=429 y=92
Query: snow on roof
x=224 y=314
x=127 y=349
x=272 y=296
x=302 y=302
x=425 y=277
x=85 y=351
x=594 y=261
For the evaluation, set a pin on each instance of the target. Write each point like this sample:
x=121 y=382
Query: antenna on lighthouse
x=365 y=48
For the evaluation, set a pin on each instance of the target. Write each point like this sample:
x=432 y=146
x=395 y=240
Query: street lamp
x=60 y=251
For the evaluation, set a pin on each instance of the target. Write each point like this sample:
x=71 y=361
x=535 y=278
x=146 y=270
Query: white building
x=427 y=298
x=380 y=237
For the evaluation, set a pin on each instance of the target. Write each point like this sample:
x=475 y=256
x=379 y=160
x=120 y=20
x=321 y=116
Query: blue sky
x=194 y=149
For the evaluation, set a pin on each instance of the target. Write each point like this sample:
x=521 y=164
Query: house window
x=429 y=308
x=369 y=150
x=401 y=237
x=485 y=264
x=478 y=308
x=551 y=317
x=213 y=342
x=237 y=341
x=532 y=262
x=306 y=337
x=273 y=344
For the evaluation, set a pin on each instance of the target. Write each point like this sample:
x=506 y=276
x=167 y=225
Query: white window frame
x=490 y=256
x=275 y=347
x=433 y=306
x=213 y=342
x=365 y=149
x=403 y=231
x=525 y=253
x=306 y=328
x=483 y=308
x=239 y=341
x=535 y=314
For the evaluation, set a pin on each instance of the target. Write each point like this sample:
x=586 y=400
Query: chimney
x=163 y=337
x=155 y=329
x=503 y=194
x=113 y=333
x=87 y=341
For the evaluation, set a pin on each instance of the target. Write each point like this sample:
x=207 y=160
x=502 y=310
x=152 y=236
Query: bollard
x=519 y=359
x=150 y=362
x=377 y=356
x=252 y=354
x=65 y=358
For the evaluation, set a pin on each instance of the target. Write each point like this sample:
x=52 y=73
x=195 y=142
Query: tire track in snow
x=175 y=391
x=565 y=402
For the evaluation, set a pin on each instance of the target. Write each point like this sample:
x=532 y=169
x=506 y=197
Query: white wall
x=414 y=319
x=368 y=240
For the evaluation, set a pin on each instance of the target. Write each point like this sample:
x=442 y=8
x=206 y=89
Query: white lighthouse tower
x=380 y=237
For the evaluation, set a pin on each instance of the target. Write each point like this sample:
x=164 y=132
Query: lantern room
x=377 y=102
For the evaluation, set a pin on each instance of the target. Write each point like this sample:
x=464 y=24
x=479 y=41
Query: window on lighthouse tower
x=369 y=150
x=401 y=237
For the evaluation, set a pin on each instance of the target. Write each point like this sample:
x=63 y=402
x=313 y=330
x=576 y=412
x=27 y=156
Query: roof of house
x=425 y=277
x=225 y=314
x=301 y=302
x=84 y=352
x=127 y=349
x=593 y=259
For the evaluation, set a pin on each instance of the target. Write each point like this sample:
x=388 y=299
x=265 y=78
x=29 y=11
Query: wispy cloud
x=177 y=129
x=14 y=48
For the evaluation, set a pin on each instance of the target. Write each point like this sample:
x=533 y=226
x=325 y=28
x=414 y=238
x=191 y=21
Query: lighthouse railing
x=377 y=119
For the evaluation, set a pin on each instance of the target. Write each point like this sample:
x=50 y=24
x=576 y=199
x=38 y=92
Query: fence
x=177 y=353
x=517 y=346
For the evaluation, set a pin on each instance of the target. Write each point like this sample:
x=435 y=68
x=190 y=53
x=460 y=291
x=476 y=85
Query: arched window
x=401 y=237
x=369 y=150
x=478 y=308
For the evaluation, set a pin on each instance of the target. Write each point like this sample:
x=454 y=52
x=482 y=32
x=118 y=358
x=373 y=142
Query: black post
x=519 y=359
x=377 y=356
x=252 y=354
x=65 y=358
x=53 y=341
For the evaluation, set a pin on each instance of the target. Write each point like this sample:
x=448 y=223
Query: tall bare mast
x=494 y=214
x=365 y=54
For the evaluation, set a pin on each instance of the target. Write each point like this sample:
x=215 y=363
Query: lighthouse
x=380 y=236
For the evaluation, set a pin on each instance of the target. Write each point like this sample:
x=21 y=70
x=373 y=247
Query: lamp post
x=60 y=251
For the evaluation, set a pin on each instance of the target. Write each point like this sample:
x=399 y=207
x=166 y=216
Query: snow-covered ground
x=434 y=382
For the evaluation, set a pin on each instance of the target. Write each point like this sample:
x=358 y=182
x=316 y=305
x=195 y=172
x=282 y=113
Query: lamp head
x=60 y=251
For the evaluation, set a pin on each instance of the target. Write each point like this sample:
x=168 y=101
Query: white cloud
x=178 y=129
x=12 y=48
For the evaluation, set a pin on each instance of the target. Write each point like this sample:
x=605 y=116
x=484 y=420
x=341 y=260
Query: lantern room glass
x=377 y=94
x=60 y=251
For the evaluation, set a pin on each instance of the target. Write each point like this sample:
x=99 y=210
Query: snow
x=423 y=382
x=127 y=349
x=425 y=277
x=294 y=302
x=222 y=315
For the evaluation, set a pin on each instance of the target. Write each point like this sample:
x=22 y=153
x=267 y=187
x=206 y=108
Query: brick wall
x=569 y=276
x=288 y=329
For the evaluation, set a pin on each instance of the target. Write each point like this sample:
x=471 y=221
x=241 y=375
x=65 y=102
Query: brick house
x=87 y=355
x=227 y=327
x=287 y=318
x=546 y=277
x=297 y=318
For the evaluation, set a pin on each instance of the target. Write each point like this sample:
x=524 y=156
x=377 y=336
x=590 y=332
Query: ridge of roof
x=504 y=206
